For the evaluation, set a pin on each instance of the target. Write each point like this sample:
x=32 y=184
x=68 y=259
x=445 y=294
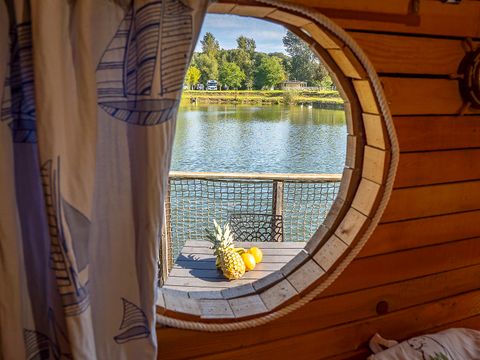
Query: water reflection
x=240 y=138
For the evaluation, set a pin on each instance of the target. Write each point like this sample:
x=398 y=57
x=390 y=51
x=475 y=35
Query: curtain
x=89 y=91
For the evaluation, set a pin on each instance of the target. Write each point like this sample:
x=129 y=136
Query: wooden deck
x=195 y=268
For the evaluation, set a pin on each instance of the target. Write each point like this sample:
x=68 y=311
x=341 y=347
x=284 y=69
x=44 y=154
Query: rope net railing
x=258 y=207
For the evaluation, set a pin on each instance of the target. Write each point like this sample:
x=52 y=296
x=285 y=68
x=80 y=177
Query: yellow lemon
x=257 y=254
x=249 y=261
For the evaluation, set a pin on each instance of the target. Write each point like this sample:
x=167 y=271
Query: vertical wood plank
x=277 y=208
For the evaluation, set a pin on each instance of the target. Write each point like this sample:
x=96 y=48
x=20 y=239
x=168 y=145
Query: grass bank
x=320 y=98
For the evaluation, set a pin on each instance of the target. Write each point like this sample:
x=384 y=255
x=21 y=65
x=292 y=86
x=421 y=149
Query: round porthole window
x=372 y=154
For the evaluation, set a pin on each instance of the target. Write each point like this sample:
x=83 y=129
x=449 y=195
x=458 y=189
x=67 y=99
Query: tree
x=231 y=75
x=223 y=55
x=259 y=56
x=304 y=64
x=246 y=44
x=210 y=45
x=285 y=60
x=270 y=73
x=193 y=76
x=208 y=67
x=243 y=56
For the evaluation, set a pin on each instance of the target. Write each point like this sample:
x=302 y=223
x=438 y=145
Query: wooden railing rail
x=256 y=176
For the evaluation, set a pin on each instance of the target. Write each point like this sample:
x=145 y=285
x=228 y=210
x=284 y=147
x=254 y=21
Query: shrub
x=290 y=97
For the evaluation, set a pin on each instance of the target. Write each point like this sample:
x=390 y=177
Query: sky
x=227 y=28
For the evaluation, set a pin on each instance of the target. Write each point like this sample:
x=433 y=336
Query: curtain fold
x=89 y=93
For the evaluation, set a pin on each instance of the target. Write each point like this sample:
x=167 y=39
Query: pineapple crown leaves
x=222 y=239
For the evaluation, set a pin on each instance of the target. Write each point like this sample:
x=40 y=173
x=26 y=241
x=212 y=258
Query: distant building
x=293 y=85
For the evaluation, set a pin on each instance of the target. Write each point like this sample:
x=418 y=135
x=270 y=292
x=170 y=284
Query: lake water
x=274 y=138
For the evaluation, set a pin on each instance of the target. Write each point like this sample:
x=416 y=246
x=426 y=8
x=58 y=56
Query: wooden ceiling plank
x=253 y=11
x=288 y=18
x=345 y=64
x=321 y=36
x=220 y=8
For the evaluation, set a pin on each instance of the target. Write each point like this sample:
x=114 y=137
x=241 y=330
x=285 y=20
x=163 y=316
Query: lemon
x=249 y=261
x=257 y=254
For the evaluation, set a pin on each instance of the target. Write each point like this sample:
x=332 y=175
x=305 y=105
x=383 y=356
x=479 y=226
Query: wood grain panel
x=422 y=232
x=345 y=308
x=398 y=266
x=360 y=354
x=412 y=55
x=256 y=11
x=414 y=96
x=424 y=201
x=323 y=313
x=399 y=325
x=426 y=168
x=424 y=133
x=378 y=6
x=434 y=18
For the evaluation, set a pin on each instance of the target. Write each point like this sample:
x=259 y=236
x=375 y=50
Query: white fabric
x=378 y=344
x=89 y=92
x=452 y=344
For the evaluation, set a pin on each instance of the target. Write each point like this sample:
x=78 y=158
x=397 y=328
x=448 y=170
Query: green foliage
x=231 y=75
x=303 y=64
x=327 y=82
x=270 y=72
x=290 y=97
x=210 y=45
x=284 y=59
x=246 y=44
x=259 y=56
x=193 y=76
x=244 y=62
x=260 y=70
x=208 y=67
x=328 y=99
x=243 y=56
x=223 y=56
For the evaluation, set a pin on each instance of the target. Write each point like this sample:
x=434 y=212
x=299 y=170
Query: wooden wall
x=422 y=263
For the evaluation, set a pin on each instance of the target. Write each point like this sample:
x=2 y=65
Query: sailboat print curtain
x=89 y=91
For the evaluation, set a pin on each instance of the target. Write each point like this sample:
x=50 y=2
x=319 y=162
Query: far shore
x=328 y=99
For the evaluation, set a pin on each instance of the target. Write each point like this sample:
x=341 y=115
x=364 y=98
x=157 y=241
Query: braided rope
x=380 y=96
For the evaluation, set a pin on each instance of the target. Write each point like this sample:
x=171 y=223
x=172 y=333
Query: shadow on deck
x=194 y=269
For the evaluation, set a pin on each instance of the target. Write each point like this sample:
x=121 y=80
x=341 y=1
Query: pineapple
x=228 y=258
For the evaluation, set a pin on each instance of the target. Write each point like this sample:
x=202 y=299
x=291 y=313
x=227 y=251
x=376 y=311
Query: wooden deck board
x=195 y=266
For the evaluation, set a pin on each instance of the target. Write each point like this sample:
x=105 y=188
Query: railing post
x=166 y=242
x=277 y=206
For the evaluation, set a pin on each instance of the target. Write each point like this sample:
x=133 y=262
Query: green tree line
x=245 y=68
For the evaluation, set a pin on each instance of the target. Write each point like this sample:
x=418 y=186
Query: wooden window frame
x=364 y=184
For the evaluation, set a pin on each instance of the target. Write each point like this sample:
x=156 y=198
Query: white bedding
x=452 y=344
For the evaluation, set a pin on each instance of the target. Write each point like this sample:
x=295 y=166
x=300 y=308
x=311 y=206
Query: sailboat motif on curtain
x=134 y=323
x=71 y=281
x=141 y=72
x=39 y=346
x=18 y=103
